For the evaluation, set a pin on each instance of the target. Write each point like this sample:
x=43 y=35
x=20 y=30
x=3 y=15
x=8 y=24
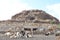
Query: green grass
x=58 y=25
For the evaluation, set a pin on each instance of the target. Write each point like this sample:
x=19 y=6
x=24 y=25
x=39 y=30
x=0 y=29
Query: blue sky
x=40 y=4
x=9 y=8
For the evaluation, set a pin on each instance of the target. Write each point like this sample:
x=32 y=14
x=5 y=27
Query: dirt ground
x=57 y=37
x=35 y=37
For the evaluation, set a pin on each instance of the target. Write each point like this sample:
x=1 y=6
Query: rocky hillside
x=8 y=24
x=35 y=16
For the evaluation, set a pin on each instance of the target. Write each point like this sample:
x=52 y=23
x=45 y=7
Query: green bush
x=52 y=22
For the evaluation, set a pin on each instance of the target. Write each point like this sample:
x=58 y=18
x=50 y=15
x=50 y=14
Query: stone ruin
x=29 y=20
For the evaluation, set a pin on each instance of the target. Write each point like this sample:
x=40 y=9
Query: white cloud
x=11 y=7
x=54 y=10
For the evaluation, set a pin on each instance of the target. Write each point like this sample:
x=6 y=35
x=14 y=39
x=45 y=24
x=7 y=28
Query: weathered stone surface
x=27 y=18
x=10 y=25
x=35 y=16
